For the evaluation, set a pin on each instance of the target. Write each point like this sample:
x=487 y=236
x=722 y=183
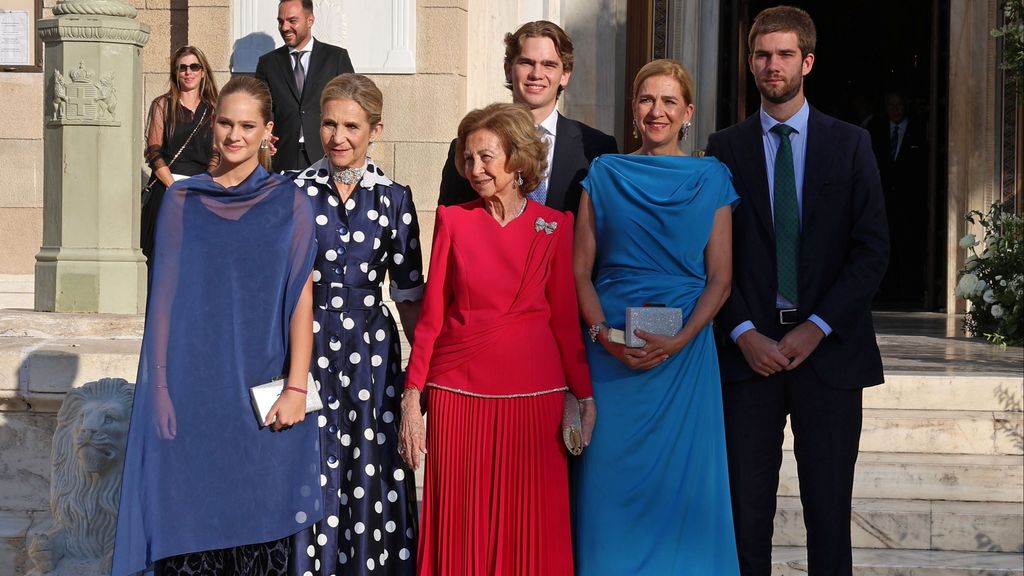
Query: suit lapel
x=284 y=59
x=750 y=155
x=567 y=139
x=817 y=163
x=317 y=66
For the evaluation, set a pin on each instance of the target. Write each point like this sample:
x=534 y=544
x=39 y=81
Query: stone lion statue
x=85 y=481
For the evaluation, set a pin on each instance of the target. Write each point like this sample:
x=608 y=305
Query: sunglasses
x=195 y=67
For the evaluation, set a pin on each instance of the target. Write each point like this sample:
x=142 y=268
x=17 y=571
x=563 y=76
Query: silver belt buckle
x=787 y=316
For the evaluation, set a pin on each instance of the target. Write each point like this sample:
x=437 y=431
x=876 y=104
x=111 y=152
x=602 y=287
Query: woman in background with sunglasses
x=179 y=140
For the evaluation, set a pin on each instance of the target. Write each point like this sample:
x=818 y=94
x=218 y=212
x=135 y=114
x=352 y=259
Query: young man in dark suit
x=538 y=63
x=810 y=247
x=296 y=74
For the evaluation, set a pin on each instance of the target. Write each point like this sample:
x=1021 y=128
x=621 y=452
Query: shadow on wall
x=247 y=50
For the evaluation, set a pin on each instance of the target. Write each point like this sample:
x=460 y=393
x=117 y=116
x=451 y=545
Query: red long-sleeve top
x=500 y=315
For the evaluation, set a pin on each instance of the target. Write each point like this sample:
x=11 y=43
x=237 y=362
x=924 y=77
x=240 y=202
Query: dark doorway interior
x=871 y=53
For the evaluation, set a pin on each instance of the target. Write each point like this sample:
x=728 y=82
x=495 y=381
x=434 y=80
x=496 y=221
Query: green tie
x=787 y=216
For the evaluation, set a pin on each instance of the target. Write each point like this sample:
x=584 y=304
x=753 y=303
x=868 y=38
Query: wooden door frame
x=639 y=50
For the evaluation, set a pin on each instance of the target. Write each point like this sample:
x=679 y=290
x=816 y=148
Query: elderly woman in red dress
x=497 y=345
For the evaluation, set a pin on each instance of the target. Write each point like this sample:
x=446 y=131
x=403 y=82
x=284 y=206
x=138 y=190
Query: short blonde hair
x=666 y=67
x=525 y=152
x=359 y=89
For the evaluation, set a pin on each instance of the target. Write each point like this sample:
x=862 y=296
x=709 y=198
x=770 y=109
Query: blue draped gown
x=652 y=489
x=229 y=266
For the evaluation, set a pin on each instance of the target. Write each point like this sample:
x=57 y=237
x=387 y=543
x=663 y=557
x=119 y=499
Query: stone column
x=90 y=259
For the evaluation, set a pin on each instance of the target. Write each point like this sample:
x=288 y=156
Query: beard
x=780 y=94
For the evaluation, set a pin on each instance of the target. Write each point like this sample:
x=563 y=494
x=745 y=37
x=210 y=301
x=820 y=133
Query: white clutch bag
x=264 y=395
x=654 y=319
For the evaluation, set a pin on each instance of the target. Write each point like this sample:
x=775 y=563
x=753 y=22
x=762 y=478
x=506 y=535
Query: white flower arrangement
x=992 y=279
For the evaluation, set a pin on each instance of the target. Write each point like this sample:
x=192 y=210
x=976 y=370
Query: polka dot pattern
x=369 y=500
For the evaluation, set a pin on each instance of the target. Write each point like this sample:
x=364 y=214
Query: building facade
x=436 y=59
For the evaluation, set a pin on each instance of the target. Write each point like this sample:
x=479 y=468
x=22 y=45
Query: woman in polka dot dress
x=366 y=227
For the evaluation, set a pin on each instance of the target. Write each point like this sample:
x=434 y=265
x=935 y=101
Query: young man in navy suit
x=296 y=73
x=538 y=63
x=796 y=339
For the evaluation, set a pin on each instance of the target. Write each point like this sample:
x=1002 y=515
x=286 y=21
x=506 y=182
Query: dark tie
x=894 y=143
x=787 y=216
x=300 y=72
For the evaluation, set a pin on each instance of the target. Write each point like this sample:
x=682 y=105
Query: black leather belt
x=345 y=298
x=787 y=316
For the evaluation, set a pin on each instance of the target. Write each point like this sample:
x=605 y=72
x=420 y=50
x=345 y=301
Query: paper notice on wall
x=14 y=38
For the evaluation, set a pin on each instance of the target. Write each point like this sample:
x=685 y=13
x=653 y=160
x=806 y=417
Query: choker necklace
x=347 y=175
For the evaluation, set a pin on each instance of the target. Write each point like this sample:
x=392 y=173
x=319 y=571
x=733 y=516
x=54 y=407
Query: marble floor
x=932 y=342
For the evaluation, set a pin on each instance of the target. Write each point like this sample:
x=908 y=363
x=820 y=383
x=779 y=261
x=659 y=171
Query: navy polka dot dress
x=370 y=519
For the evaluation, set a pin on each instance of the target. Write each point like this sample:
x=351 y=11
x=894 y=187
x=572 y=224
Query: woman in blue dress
x=652 y=488
x=366 y=228
x=206 y=489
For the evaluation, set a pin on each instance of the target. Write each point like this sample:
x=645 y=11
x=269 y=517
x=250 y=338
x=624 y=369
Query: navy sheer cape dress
x=229 y=266
x=652 y=489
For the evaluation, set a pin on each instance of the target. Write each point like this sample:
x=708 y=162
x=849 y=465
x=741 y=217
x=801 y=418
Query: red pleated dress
x=497 y=344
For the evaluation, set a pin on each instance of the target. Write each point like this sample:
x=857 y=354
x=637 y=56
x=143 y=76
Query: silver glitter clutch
x=654 y=319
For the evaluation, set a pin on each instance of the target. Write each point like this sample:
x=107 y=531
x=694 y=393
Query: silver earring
x=685 y=131
x=264 y=145
x=635 y=133
x=519 y=178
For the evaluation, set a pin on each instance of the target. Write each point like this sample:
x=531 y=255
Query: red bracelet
x=294 y=389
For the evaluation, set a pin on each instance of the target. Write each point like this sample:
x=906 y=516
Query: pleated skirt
x=496 y=497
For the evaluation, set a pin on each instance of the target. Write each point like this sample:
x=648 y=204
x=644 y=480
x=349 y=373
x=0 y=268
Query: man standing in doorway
x=900 y=144
x=538 y=63
x=810 y=246
x=296 y=74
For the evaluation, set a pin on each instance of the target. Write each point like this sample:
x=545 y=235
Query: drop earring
x=685 y=131
x=635 y=133
x=264 y=145
x=519 y=179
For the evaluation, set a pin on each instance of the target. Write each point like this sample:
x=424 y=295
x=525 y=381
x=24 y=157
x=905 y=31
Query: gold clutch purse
x=572 y=428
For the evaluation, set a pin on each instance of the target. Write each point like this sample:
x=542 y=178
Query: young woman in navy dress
x=366 y=228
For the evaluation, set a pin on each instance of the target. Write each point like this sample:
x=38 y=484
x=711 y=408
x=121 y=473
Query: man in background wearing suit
x=296 y=74
x=538 y=63
x=900 y=144
x=795 y=338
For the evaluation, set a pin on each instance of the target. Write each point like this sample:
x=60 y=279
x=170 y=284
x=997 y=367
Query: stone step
x=792 y=561
x=954 y=477
x=917 y=525
x=939 y=432
x=17 y=291
x=965 y=390
x=38 y=372
x=14 y=528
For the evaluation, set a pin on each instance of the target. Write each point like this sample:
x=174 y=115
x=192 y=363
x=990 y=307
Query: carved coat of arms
x=79 y=99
